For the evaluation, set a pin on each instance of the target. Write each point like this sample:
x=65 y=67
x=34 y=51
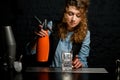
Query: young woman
x=70 y=35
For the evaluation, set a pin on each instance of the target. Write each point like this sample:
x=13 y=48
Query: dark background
x=103 y=20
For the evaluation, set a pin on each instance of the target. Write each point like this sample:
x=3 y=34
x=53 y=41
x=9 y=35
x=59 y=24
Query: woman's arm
x=31 y=46
x=84 y=51
x=80 y=60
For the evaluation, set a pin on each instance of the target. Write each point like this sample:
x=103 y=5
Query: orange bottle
x=43 y=49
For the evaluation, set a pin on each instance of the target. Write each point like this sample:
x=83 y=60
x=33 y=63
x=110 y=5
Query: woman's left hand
x=76 y=63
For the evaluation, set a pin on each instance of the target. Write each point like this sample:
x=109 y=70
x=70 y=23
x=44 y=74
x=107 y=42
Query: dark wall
x=103 y=19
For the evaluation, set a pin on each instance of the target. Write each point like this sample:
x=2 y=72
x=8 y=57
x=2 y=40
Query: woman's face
x=72 y=17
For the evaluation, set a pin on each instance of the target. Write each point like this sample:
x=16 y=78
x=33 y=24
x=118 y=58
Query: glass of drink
x=66 y=61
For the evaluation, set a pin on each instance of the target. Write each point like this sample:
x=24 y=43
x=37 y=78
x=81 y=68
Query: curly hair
x=80 y=30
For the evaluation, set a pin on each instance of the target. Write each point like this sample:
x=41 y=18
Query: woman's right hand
x=41 y=32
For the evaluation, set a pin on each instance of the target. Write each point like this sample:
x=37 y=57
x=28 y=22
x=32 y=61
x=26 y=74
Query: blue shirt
x=66 y=46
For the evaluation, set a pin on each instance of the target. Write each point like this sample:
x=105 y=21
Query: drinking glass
x=66 y=61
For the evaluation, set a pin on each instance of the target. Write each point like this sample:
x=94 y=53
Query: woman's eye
x=78 y=15
x=70 y=13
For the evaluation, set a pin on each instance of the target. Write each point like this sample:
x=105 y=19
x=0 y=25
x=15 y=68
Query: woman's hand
x=76 y=62
x=41 y=32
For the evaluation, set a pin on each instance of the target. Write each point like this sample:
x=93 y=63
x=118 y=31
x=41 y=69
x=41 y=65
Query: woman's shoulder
x=88 y=32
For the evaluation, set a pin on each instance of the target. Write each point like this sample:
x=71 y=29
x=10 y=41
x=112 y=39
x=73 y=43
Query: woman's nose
x=73 y=18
